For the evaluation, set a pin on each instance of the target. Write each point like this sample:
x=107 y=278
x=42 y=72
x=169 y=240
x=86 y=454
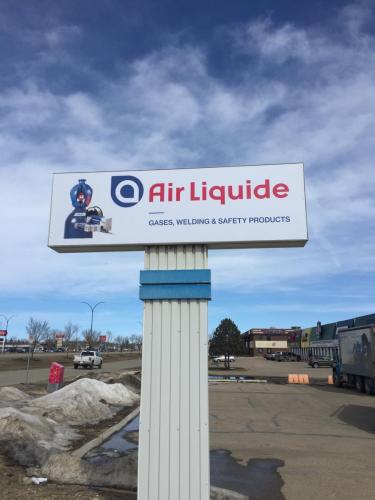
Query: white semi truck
x=356 y=364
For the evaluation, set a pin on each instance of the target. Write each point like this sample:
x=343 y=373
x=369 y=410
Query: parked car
x=221 y=359
x=275 y=355
x=88 y=359
x=287 y=356
x=321 y=362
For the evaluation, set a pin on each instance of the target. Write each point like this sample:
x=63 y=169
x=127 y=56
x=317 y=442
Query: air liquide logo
x=126 y=190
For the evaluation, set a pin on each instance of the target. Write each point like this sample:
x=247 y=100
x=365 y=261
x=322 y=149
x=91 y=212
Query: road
x=292 y=442
x=13 y=377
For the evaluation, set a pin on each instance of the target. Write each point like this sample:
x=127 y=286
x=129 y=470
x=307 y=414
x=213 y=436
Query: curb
x=80 y=452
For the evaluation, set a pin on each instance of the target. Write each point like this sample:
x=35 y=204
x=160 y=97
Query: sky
x=120 y=84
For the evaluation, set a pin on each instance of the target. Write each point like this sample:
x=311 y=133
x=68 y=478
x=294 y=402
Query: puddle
x=259 y=479
x=362 y=417
x=121 y=441
x=119 y=444
x=237 y=378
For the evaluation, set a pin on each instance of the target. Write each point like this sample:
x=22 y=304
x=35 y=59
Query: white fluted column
x=173 y=461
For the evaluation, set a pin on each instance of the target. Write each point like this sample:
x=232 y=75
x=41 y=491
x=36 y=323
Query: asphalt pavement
x=278 y=441
x=260 y=367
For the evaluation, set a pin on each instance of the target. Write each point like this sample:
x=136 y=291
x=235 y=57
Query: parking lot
x=291 y=441
x=259 y=367
x=272 y=441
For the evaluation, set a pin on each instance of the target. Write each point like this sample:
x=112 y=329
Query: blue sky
x=114 y=85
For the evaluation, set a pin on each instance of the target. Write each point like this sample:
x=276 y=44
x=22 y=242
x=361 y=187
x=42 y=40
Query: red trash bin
x=56 y=377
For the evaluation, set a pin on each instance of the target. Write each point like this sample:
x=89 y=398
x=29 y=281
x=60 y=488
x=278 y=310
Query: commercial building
x=261 y=341
x=321 y=340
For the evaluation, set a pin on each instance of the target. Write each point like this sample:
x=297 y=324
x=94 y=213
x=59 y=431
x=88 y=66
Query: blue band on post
x=178 y=276
x=175 y=284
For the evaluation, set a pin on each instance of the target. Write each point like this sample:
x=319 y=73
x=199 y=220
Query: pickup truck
x=88 y=359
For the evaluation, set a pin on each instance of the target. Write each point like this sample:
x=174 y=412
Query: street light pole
x=92 y=314
x=7 y=319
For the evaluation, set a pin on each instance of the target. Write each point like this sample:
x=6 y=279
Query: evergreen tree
x=226 y=339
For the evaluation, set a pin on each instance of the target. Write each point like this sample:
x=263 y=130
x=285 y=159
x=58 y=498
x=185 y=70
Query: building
x=261 y=341
x=321 y=340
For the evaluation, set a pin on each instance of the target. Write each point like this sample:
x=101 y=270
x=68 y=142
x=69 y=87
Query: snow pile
x=12 y=394
x=83 y=401
x=29 y=439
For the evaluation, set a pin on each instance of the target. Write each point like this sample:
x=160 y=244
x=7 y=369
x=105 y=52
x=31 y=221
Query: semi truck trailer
x=356 y=363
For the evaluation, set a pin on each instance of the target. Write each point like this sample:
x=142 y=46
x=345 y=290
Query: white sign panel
x=269 y=344
x=223 y=207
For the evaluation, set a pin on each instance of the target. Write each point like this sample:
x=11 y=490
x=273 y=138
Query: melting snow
x=83 y=401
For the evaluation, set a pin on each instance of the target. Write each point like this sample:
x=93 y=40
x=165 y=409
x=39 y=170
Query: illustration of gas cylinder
x=75 y=224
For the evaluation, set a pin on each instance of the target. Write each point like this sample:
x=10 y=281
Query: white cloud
x=281 y=44
x=169 y=110
x=62 y=35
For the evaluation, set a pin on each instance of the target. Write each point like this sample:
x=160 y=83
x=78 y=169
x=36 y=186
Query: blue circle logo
x=126 y=190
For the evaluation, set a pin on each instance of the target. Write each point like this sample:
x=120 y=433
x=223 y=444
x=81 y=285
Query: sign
x=270 y=331
x=269 y=344
x=305 y=339
x=3 y=333
x=325 y=343
x=221 y=207
x=102 y=339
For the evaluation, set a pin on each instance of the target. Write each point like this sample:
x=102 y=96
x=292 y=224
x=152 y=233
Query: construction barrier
x=300 y=378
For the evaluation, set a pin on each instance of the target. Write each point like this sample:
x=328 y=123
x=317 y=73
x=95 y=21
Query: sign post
x=59 y=338
x=3 y=334
x=175 y=216
x=173 y=435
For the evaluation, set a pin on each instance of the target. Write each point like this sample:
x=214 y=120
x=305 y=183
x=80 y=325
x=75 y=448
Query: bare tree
x=109 y=336
x=118 y=341
x=91 y=337
x=122 y=342
x=70 y=331
x=50 y=339
x=137 y=341
x=37 y=332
